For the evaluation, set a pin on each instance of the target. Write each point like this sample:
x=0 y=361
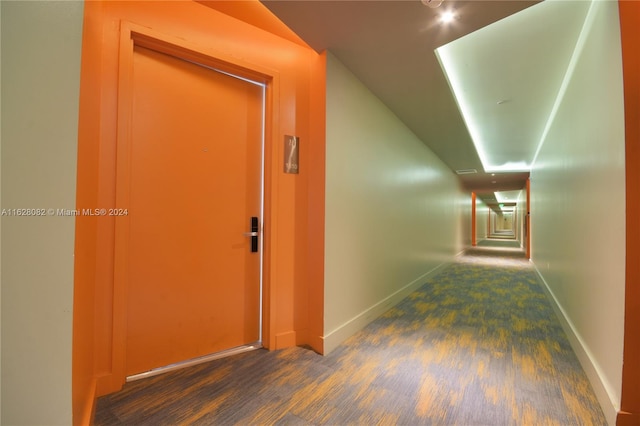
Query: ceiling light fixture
x=432 y=3
x=447 y=17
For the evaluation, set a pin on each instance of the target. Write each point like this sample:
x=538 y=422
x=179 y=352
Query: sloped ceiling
x=505 y=60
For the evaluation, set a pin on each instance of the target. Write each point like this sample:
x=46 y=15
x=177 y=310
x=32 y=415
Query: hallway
x=371 y=210
x=477 y=344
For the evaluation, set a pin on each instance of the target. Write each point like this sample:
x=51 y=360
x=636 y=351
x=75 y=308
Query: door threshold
x=195 y=361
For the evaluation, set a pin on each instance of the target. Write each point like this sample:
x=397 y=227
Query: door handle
x=253 y=234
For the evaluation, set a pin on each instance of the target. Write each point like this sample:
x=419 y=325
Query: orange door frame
x=473 y=219
x=527 y=224
x=629 y=413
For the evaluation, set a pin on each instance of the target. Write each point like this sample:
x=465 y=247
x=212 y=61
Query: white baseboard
x=333 y=339
x=601 y=387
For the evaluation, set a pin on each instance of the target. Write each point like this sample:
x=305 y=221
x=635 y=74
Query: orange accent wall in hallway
x=293 y=277
x=528 y=220
x=473 y=219
x=629 y=23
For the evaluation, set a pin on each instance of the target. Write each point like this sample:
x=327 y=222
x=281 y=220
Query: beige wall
x=578 y=206
x=393 y=209
x=504 y=221
x=40 y=84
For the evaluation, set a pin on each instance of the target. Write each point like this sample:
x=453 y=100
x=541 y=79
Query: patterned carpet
x=478 y=344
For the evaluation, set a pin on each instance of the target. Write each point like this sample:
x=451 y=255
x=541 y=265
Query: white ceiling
x=505 y=60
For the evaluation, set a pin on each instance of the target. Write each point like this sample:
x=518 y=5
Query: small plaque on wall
x=291 y=147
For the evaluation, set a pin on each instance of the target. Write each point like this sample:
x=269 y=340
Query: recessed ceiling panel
x=506 y=78
x=508 y=196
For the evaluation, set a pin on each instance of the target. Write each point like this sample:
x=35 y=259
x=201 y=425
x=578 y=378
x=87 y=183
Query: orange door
x=195 y=182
